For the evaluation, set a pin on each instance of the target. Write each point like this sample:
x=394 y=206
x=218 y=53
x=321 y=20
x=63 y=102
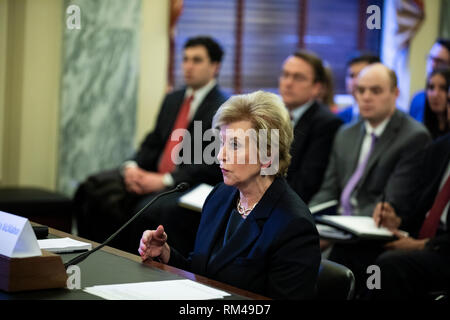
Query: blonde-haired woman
x=255 y=232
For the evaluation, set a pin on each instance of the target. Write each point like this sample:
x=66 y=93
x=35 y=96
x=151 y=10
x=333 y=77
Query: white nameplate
x=17 y=238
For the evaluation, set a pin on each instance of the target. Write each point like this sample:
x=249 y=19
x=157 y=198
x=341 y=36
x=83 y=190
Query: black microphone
x=179 y=188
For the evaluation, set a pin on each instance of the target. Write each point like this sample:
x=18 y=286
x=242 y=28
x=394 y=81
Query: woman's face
x=437 y=93
x=238 y=155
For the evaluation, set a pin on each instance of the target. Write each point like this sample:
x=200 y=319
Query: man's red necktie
x=166 y=164
x=431 y=223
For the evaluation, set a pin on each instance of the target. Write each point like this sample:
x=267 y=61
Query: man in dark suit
x=155 y=166
x=201 y=63
x=371 y=159
x=383 y=145
x=314 y=125
x=419 y=264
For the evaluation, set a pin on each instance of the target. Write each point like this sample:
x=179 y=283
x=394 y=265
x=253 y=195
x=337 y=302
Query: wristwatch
x=168 y=180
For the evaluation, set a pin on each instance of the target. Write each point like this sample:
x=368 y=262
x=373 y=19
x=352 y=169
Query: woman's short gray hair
x=264 y=110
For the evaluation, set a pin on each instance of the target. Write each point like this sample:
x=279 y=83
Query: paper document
x=157 y=290
x=322 y=206
x=330 y=232
x=363 y=227
x=62 y=245
x=195 y=199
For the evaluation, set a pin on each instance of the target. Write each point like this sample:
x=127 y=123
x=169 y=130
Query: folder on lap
x=360 y=226
x=332 y=233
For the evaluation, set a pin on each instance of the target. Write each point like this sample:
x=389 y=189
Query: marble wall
x=99 y=85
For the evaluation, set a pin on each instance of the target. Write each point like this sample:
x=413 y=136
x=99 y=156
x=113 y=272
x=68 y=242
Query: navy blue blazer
x=275 y=252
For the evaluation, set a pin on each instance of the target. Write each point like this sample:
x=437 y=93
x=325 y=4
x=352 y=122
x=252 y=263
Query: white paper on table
x=195 y=199
x=17 y=238
x=157 y=290
x=61 y=245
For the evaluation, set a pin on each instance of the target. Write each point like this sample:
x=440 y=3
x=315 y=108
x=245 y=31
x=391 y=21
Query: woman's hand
x=154 y=245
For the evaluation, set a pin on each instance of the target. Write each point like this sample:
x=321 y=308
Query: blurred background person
x=326 y=95
x=436 y=113
x=371 y=159
x=300 y=84
x=417 y=265
x=107 y=199
x=438 y=57
x=354 y=66
x=448 y=107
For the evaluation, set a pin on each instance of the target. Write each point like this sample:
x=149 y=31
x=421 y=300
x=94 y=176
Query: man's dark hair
x=444 y=42
x=367 y=57
x=215 y=51
x=393 y=78
x=315 y=62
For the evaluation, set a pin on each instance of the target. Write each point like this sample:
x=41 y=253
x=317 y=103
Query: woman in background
x=436 y=117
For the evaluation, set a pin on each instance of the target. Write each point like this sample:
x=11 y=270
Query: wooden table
x=113 y=266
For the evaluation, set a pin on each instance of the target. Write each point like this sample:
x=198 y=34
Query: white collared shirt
x=298 y=112
x=378 y=131
x=199 y=96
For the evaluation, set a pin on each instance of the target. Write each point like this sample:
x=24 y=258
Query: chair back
x=336 y=282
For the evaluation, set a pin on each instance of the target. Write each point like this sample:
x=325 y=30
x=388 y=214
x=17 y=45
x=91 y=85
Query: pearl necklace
x=242 y=211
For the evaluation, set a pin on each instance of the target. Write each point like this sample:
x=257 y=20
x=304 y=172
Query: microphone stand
x=180 y=187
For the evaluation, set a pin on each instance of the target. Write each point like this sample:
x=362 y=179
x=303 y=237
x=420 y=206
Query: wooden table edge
x=164 y=267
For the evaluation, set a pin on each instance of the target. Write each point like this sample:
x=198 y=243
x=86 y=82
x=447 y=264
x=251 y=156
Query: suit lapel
x=444 y=151
x=179 y=99
x=204 y=105
x=217 y=224
x=250 y=229
x=437 y=167
x=301 y=133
